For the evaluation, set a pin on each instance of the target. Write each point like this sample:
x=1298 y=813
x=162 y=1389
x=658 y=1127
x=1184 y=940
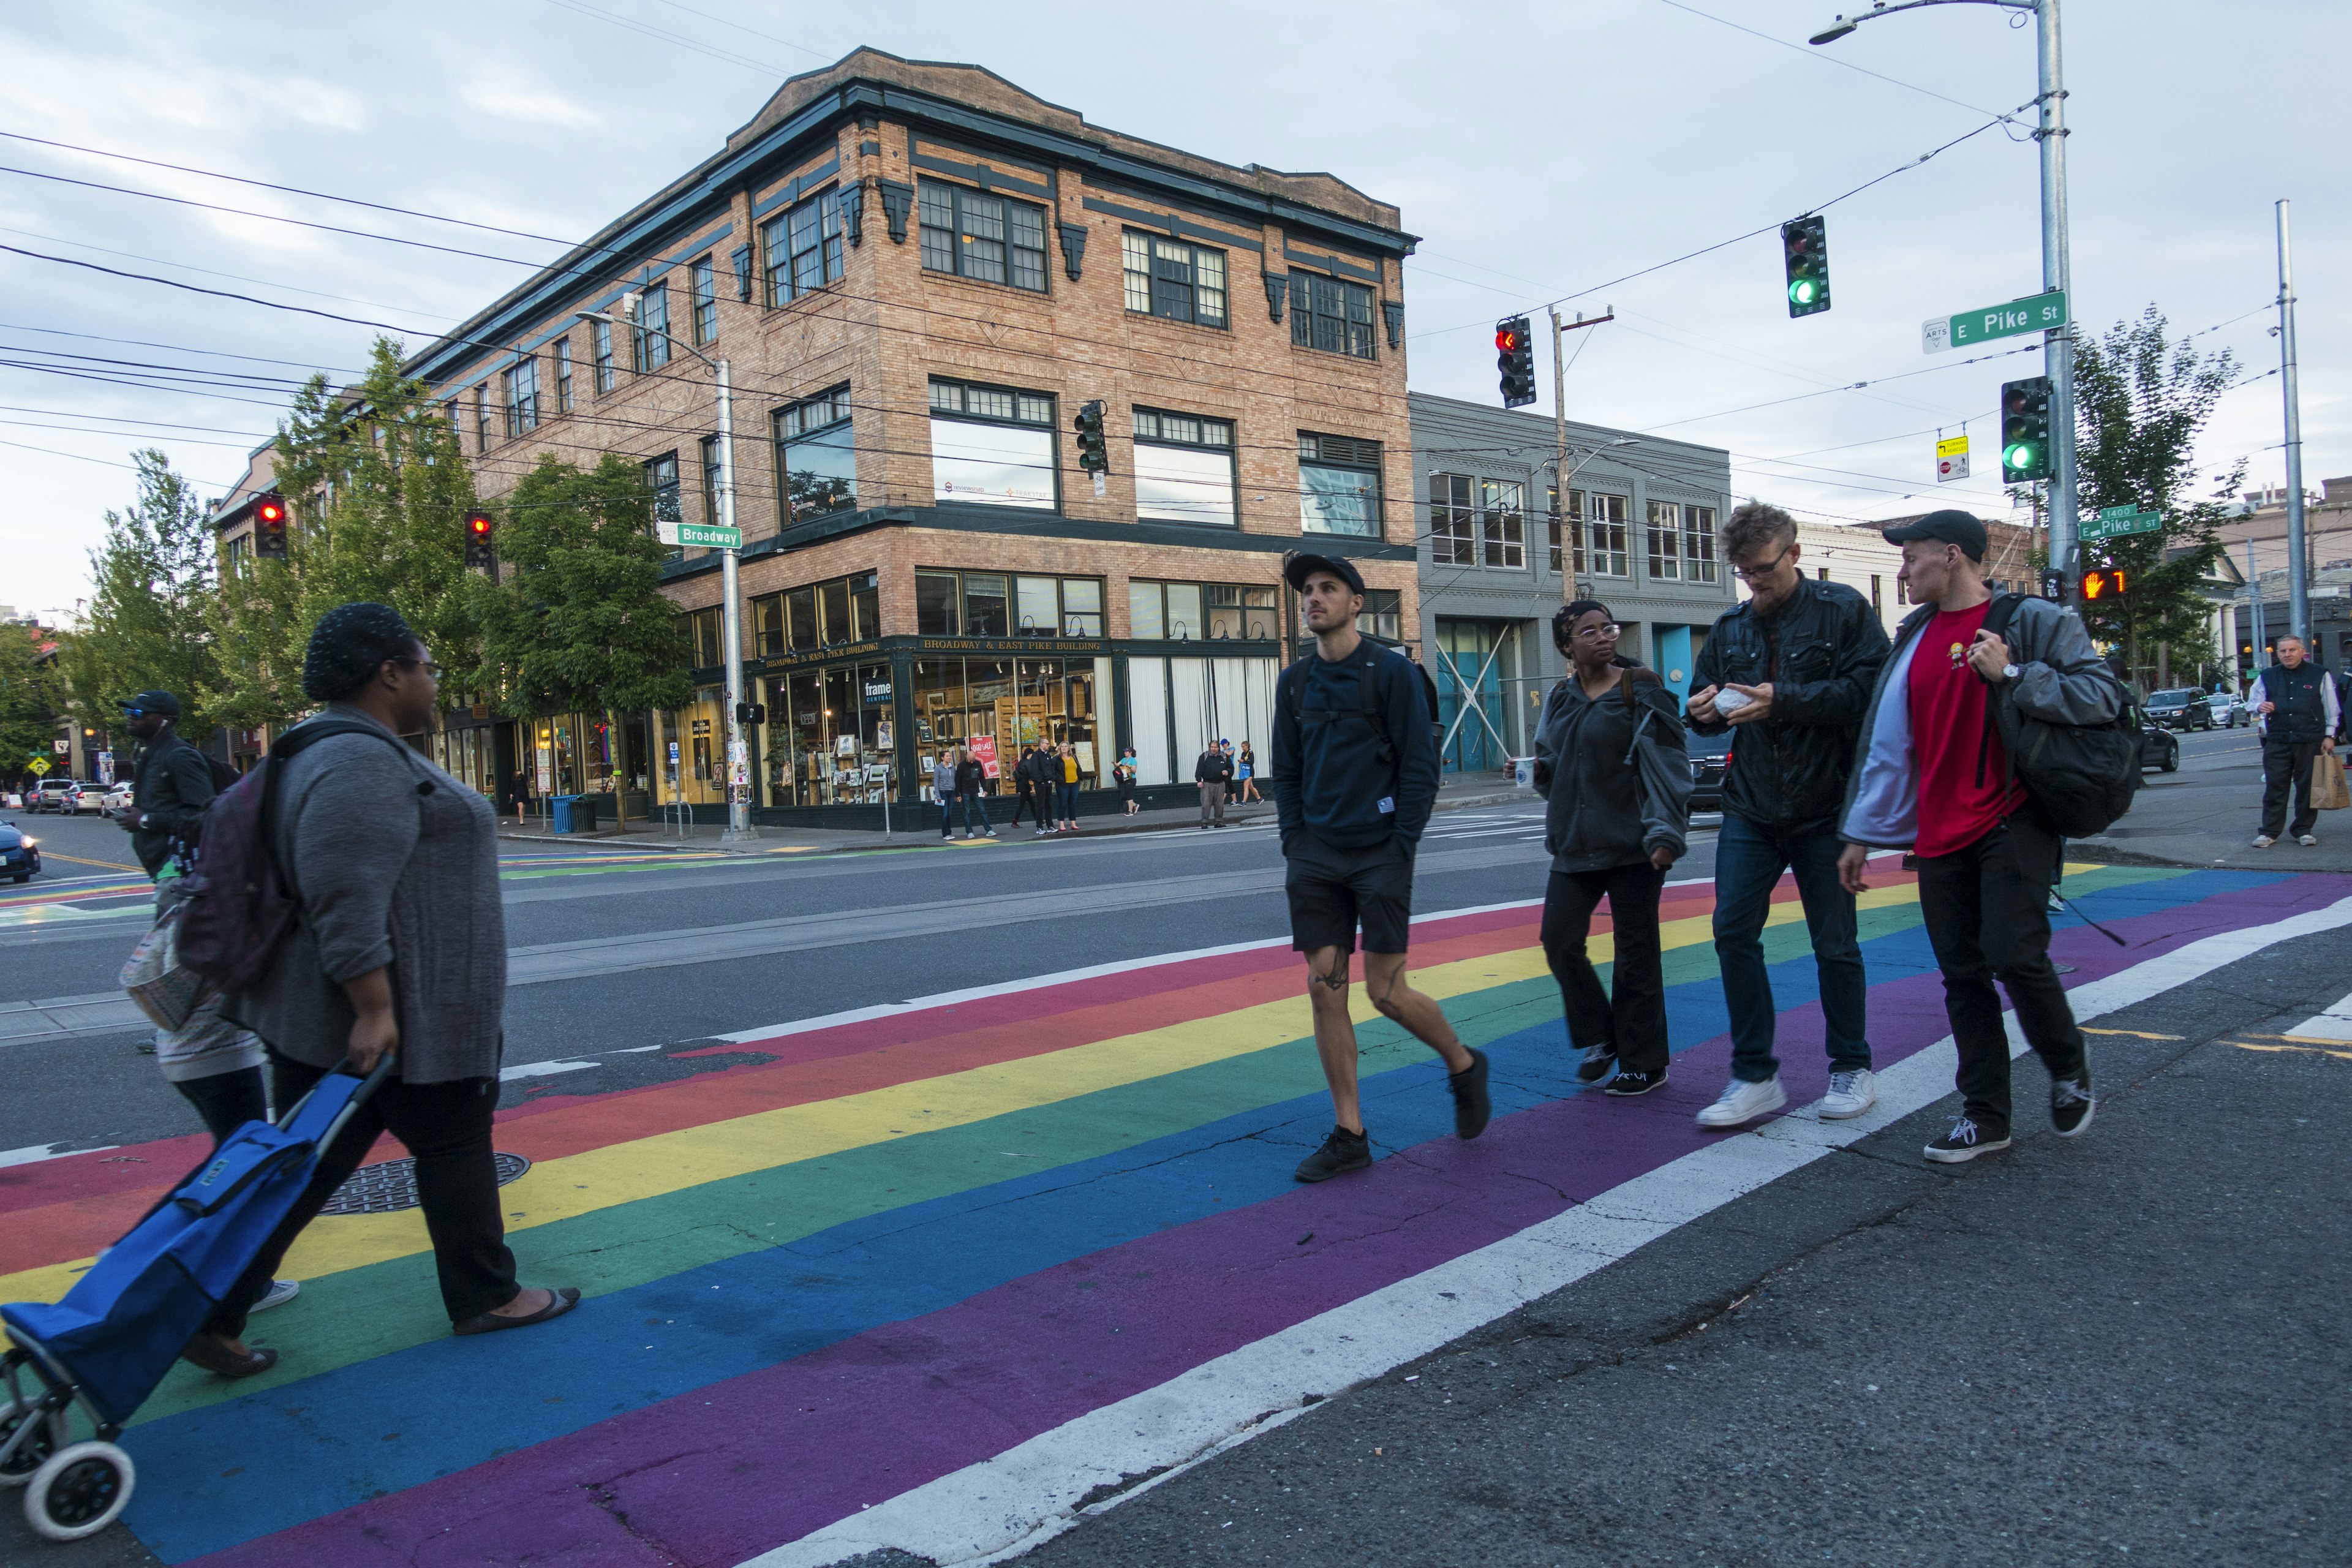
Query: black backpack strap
x=1998 y=615
x=1368 y=700
x=291 y=744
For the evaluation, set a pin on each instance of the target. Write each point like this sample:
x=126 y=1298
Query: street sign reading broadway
x=2114 y=521
x=701 y=533
x=2038 y=314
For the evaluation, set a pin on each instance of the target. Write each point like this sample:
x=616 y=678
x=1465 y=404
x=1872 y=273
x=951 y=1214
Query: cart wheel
x=79 y=1490
x=48 y=1436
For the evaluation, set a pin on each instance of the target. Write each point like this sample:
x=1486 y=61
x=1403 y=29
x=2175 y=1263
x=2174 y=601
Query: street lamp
x=2057 y=344
x=738 y=756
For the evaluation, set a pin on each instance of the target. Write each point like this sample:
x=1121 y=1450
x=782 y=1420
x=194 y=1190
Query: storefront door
x=1474 y=663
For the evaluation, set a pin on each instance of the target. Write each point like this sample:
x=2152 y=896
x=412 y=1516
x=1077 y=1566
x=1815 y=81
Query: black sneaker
x=1626 y=1085
x=1966 y=1141
x=2071 y=1103
x=1343 y=1151
x=1599 y=1062
x=1472 y=1107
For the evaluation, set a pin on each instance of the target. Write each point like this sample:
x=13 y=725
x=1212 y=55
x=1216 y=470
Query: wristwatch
x=2011 y=672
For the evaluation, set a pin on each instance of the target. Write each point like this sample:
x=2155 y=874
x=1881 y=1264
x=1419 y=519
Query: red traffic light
x=1506 y=339
x=270 y=512
x=2106 y=584
x=477 y=523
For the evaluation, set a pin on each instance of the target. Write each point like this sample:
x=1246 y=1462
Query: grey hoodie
x=1614 y=773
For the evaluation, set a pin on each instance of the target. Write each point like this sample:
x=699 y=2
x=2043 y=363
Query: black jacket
x=970 y=776
x=2299 y=697
x=1820 y=652
x=1214 y=767
x=1354 y=775
x=171 y=785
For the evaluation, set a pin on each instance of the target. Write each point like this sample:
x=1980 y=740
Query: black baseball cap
x=1950 y=525
x=161 y=702
x=1300 y=565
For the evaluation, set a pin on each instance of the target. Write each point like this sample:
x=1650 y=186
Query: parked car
x=20 y=854
x=92 y=798
x=2181 y=708
x=118 y=798
x=1709 y=756
x=2160 y=750
x=55 y=794
x=2229 y=712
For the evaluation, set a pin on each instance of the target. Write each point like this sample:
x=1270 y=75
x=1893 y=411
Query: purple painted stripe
x=733 y=1469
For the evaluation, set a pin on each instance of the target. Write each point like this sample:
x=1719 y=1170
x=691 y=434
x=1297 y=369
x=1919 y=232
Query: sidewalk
x=2207 y=815
x=919 y=826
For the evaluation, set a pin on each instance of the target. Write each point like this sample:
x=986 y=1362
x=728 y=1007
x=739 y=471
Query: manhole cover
x=382 y=1188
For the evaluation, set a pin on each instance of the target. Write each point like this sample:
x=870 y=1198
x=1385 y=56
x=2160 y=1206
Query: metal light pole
x=2298 y=582
x=739 y=795
x=2058 y=343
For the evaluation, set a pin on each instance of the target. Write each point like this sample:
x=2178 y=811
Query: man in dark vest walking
x=2300 y=716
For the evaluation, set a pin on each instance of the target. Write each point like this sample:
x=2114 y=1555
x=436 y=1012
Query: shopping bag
x=2329 y=792
x=164 y=991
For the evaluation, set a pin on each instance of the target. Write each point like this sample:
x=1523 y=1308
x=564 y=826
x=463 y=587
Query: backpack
x=238 y=908
x=1294 y=680
x=223 y=775
x=2082 y=776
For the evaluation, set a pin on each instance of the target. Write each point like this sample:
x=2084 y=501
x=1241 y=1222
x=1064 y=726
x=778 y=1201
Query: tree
x=578 y=620
x=2140 y=401
x=150 y=621
x=379 y=491
x=27 y=717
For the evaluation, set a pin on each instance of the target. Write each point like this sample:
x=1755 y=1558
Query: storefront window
x=986 y=611
x=865 y=606
x=800 y=613
x=1184 y=616
x=935 y=605
x=768 y=625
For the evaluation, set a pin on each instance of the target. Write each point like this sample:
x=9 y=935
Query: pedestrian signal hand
x=2108 y=582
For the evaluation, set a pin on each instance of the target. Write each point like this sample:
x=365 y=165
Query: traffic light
x=479 y=530
x=2105 y=583
x=1805 y=255
x=1515 y=356
x=269 y=526
x=1094 y=451
x=750 y=713
x=2025 y=430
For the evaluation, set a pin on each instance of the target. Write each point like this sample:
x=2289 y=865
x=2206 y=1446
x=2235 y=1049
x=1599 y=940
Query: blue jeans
x=1068 y=796
x=1748 y=861
x=975 y=812
x=947 y=814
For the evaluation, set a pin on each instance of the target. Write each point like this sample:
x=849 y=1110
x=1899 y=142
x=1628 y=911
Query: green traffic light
x=1804 y=291
x=2018 y=457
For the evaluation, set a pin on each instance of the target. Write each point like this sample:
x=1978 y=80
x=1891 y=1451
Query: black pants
x=1027 y=801
x=446 y=1126
x=2287 y=764
x=1987 y=909
x=227 y=1101
x=1631 y=1014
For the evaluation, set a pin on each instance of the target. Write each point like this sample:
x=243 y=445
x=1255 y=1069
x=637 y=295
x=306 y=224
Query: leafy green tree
x=578 y=620
x=149 y=626
x=2141 y=399
x=27 y=717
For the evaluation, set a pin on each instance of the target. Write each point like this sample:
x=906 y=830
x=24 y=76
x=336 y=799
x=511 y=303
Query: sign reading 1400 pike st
x=2038 y=314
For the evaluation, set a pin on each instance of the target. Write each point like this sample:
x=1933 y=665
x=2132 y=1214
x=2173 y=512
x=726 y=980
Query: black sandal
x=559 y=1302
x=211 y=1351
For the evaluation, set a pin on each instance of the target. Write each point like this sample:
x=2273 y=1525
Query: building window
x=661 y=478
x=600 y=353
x=988 y=237
x=992 y=446
x=975 y=604
x=1382 y=616
x=816 y=457
x=822 y=614
x=702 y=635
x=518 y=389
x=1453 y=524
x=802 y=245
x=1180 y=282
x=1338 y=485
x=1601 y=547
x=651 y=349
x=1330 y=314
x=1220 y=612
x=1665 y=543
x=1875 y=604
x=1698 y=545
x=1901 y=590
x=1502 y=524
x=563 y=375
x=482 y=417
x=706 y=301
x=1682 y=542
x=710 y=463
x=1185 y=467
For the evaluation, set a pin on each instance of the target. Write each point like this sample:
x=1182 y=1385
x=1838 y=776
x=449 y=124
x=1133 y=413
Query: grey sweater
x=395 y=863
x=1614 y=774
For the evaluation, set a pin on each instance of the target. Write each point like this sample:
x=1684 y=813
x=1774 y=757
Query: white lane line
x=1005 y=1506
x=34 y=1153
x=542 y=1070
x=2336 y=1024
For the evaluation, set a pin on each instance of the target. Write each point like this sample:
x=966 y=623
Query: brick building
x=919 y=274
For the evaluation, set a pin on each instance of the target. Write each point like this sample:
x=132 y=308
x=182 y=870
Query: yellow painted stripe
x=666 y=1163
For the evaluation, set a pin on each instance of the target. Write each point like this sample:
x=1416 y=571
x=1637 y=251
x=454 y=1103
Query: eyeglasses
x=1599 y=634
x=1759 y=574
x=426 y=665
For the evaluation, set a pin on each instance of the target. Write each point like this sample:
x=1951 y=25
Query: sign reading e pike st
x=699 y=533
x=2114 y=521
x=2040 y=313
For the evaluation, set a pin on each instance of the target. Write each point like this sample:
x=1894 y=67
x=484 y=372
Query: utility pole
x=2298 y=579
x=2254 y=600
x=1560 y=470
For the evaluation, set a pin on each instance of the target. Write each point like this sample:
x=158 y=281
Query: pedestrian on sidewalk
x=943 y=789
x=401 y=948
x=1354 y=779
x=1210 y=772
x=1066 y=791
x=971 y=789
x=1790 y=672
x=1246 y=771
x=1029 y=779
x=1612 y=768
x=2301 y=716
x=1931 y=774
x=1233 y=774
x=1123 y=773
x=214 y=1064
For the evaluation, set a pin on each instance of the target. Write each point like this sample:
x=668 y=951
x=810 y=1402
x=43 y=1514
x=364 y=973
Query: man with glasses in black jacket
x=1791 y=673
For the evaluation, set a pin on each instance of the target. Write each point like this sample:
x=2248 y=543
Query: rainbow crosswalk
x=911 y=1242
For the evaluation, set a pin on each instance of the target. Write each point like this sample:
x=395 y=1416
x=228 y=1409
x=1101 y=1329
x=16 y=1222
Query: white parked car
x=91 y=799
x=118 y=798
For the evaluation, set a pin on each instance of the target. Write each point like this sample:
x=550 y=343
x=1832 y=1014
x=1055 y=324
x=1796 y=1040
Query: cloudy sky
x=1543 y=150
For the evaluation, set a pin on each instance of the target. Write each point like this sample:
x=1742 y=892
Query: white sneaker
x=2307 y=840
x=1743 y=1101
x=280 y=1291
x=2263 y=841
x=1851 y=1094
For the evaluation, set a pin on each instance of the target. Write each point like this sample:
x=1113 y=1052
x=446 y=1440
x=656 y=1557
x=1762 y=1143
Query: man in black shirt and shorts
x=1354 y=777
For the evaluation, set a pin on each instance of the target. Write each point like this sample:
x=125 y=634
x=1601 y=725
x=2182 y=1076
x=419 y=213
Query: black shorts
x=1331 y=891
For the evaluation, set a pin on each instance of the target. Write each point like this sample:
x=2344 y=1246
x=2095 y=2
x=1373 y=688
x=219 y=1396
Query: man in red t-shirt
x=1932 y=775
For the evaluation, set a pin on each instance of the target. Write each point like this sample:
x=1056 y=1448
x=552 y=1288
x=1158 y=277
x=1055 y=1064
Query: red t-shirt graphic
x=1947 y=729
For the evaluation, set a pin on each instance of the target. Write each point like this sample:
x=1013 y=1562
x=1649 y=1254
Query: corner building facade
x=919 y=274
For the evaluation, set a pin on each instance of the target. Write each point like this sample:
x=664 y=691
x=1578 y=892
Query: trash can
x=586 y=809
x=564 y=818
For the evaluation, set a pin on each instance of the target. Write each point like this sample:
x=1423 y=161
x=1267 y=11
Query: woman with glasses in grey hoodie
x=1610 y=765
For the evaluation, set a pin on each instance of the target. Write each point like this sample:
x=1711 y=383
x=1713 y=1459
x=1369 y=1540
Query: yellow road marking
x=2315 y=1050
x=78 y=860
x=2135 y=1033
